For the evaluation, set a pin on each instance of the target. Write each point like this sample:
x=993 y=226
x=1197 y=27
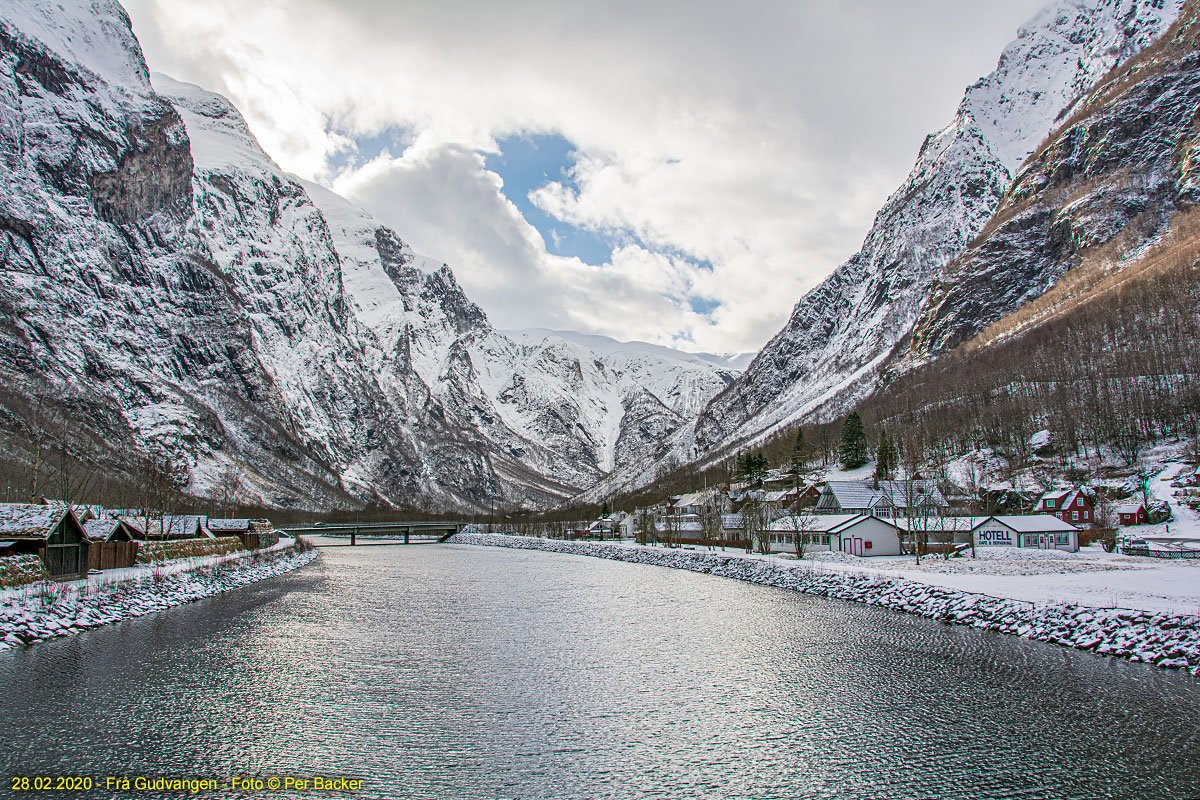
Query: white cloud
x=758 y=137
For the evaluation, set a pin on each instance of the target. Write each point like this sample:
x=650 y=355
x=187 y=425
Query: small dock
x=378 y=533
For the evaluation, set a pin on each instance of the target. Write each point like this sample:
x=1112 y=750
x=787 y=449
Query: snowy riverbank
x=1164 y=639
x=46 y=610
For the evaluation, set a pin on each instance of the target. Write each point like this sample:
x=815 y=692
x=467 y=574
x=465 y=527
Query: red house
x=1132 y=514
x=1070 y=505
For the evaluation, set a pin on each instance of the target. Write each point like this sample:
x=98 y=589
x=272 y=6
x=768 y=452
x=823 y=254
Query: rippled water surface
x=439 y=671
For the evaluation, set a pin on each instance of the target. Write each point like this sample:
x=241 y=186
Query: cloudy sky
x=678 y=171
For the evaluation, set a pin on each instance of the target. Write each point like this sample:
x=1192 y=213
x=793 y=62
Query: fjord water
x=444 y=671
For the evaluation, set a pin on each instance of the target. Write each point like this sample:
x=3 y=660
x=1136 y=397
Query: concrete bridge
x=410 y=532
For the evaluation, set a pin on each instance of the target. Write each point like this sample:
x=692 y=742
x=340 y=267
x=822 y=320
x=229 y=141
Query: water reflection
x=446 y=671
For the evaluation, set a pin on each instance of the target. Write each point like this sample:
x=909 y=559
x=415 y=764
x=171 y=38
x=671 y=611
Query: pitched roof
x=814 y=523
x=1062 y=497
x=178 y=526
x=28 y=520
x=1130 y=508
x=863 y=494
x=228 y=525
x=946 y=524
x=680 y=527
x=98 y=530
x=1030 y=523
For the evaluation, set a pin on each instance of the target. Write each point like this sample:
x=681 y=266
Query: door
x=853 y=546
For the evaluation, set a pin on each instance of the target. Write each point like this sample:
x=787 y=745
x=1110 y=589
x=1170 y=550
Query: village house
x=887 y=499
x=170 y=527
x=778 y=479
x=1071 y=505
x=1037 y=531
x=855 y=534
x=52 y=532
x=691 y=504
x=937 y=530
x=1132 y=513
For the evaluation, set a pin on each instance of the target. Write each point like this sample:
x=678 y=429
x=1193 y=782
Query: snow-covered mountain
x=174 y=291
x=840 y=334
x=1100 y=198
x=684 y=382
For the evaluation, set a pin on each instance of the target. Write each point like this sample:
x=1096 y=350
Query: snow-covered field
x=1045 y=607
x=46 y=610
x=1090 y=578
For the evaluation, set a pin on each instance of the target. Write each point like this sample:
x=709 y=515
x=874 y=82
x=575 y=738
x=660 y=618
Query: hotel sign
x=996 y=537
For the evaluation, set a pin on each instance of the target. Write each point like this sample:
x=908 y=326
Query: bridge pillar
x=353 y=535
x=407 y=531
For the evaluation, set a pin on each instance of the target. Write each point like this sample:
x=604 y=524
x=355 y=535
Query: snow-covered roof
x=935 y=524
x=863 y=494
x=228 y=525
x=816 y=523
x=680 y=527
x=732 y=521
x=98 y=530
x=179 y=526
x=1130 y=508
x=776 y=497
x=1030 y=523
x=27 y=520
x=1062 y=498
x=696 y=498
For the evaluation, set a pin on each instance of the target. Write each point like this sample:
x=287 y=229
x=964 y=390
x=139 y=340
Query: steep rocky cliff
x=1100 y=191
x=171 y=291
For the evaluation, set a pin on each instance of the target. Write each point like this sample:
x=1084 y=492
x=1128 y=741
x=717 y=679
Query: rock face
x=177 y=293
x=1106 y=183
x=840 y=335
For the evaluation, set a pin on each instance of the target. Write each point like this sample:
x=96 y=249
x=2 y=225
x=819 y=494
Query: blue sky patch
x=394 y=139
x=702 y=305
x=526 y=163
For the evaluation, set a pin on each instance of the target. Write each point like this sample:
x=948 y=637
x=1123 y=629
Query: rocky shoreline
x=34 y=615
x=1165 y=640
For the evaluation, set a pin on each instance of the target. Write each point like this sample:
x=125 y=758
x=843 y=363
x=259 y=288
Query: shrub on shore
x=157 y=552
x=20 y=570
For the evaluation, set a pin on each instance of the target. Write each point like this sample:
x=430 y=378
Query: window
x=1047 y=504
x=1075 y=515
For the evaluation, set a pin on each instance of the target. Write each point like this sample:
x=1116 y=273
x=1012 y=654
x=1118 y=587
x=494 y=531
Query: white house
x=1038 y=531
x=856 y=534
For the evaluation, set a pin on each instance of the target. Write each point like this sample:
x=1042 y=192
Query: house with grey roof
x=1038 y=531
x=855 y=534
x=887 y=499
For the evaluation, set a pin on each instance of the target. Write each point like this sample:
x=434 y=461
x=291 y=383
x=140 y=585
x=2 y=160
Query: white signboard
x=995 y=538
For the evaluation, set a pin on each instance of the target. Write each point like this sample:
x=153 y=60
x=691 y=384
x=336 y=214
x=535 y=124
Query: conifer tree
x=799 y=457
x=887 y=458
x=852 y=451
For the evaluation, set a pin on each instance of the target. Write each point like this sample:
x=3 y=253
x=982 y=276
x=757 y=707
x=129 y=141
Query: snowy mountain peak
x=1072 y=43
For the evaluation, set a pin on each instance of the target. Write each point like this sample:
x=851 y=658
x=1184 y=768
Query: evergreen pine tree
x=799 y=457
x=886 y=458
x=852 y=451
x=741 y=468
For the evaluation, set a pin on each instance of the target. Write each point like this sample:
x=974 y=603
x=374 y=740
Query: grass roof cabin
x=54 y=533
